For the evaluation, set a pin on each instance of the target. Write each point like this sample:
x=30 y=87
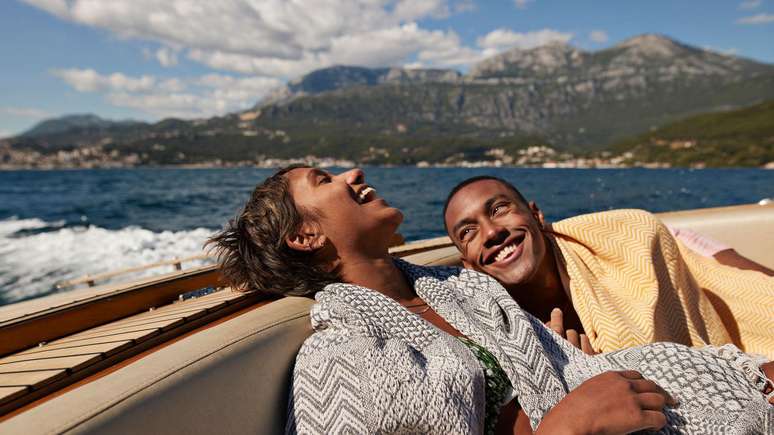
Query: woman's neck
x=380 y=274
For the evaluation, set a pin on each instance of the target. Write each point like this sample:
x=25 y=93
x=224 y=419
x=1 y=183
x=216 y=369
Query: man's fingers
x=557 y=321
x=631 y=374
x=573 y=338
x=585 y=345
x=649 y=387
x=652 y=401
x=653 y=420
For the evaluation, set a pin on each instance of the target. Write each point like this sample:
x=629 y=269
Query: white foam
x=32 y=264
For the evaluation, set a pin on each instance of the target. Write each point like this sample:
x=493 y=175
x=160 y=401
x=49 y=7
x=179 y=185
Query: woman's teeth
x=364 y=193
x=504 y=252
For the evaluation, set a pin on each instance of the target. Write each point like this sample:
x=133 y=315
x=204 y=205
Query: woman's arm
x=719 y=251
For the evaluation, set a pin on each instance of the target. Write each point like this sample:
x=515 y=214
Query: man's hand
x=581 y=341
x=609 y=403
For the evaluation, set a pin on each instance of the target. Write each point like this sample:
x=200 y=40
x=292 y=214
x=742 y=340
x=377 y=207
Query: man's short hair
x=472 y=180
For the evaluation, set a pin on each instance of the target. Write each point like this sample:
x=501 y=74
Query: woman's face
x=348 y=211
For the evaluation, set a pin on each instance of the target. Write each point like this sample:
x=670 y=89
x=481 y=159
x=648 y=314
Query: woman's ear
x=308 y=238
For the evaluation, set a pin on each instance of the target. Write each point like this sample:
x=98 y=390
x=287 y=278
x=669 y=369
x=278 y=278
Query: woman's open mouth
x=366 y=194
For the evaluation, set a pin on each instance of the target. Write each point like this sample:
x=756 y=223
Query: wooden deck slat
x=151 y=320
x=62 y=363
x=158 y=314
x=109 y=335
x=102 y=348
x=10 y=393
x=162 y=324
x=32 y=379
x=85 y=341
x=137 y=336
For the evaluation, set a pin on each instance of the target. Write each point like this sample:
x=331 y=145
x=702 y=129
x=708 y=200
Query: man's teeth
x=363 y=193
x=504 y=252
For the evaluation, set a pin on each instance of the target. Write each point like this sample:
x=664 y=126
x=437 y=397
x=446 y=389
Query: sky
x=148 y=60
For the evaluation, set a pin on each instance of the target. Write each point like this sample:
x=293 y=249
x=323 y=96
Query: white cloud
x=522 y=4
x=757 y=19
x=207 y=95
x=88 y=80
x=24 y=112
x=5 y=133
x=166 y=57
x=274 y=37
x=269 y=41
x=750 y=4
x=598 y=36
x=503 y=39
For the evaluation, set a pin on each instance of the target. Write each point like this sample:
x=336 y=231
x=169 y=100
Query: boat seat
x=231 y=378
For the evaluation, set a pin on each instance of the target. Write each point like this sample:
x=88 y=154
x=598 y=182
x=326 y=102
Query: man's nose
x=493 y=234
x=353 y=176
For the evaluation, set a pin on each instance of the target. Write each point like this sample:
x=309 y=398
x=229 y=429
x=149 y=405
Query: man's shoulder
x=619 y=217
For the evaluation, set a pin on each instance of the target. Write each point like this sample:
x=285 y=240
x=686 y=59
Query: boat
x=181 y=353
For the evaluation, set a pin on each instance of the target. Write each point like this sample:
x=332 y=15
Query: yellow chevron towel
x=632 y=283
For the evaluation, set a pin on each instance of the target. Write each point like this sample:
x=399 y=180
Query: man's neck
x=544 y=291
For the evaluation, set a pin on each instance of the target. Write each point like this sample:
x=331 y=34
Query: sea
x=61 y=225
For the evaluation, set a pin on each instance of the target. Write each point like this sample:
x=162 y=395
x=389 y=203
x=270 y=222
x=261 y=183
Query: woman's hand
x=610 y=403
x=581 y=341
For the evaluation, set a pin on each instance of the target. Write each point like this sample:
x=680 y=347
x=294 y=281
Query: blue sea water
x=58 y=225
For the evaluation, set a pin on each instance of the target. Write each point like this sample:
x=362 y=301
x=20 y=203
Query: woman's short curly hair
x=252 y=248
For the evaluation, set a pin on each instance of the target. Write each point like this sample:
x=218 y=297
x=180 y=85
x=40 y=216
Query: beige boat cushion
x=231 y=378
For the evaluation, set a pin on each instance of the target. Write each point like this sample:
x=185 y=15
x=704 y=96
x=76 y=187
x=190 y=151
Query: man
x=618 y=276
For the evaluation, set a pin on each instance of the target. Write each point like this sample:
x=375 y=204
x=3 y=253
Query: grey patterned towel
x=373 y=367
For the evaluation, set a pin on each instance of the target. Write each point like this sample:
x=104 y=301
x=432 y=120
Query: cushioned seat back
x=230 y=378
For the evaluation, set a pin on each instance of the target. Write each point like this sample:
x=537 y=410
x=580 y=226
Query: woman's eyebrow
x=313 y=174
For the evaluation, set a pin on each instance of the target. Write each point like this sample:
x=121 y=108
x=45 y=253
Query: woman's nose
x=354 y=176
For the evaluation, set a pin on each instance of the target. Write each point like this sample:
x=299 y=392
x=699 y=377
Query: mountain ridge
x=559 y=95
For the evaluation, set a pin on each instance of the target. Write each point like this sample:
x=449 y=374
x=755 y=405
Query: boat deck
x=32 y=373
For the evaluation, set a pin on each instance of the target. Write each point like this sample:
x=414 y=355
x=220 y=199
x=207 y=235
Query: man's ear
x=537 y=213
x=308 y=238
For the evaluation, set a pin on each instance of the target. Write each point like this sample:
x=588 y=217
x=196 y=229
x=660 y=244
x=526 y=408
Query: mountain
x=76 y=130
x=743 y=137
x=559 y=95
x=341 y=77
x=67 y=123
x=577 y=100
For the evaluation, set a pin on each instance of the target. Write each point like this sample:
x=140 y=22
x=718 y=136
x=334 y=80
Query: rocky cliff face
x=575 y=98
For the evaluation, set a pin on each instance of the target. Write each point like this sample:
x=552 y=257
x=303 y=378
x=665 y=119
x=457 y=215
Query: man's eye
x=499 y=209
x=465 y=233
x=325 y=180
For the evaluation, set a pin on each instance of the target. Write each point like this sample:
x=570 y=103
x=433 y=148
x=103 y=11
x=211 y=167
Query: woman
x=401 y=348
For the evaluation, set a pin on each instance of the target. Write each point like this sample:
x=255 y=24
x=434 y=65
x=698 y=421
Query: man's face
x=496 y=232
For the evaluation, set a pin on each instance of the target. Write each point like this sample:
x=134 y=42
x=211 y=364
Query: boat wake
x=35 y=255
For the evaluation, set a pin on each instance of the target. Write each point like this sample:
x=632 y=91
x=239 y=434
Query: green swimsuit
x=497 y=383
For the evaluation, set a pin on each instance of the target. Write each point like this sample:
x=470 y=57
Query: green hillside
x=743 y=137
